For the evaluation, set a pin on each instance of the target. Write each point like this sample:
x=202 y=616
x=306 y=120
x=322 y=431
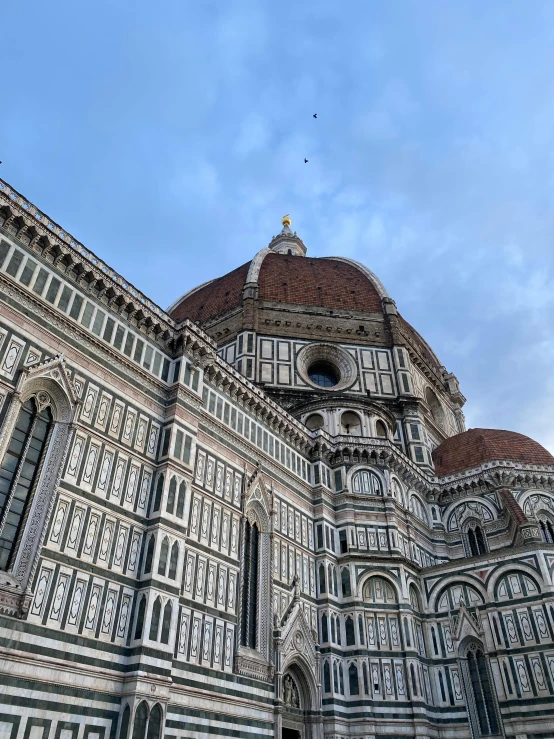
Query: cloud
x=431 y=159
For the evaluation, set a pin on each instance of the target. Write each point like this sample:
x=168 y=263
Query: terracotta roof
x=306 y=281
x=475 y=446
x=214 y=299
x=319 y=282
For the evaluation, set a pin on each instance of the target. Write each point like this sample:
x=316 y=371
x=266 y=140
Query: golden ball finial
x=286 y=221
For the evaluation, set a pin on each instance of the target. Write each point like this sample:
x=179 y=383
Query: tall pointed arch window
x=181 y=500
x=249 y=624
x=171 y=494
x=482 y=691
x=19 y=472
x=476 y=541
x=147 y=724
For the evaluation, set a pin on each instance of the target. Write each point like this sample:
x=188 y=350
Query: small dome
x=476 y=446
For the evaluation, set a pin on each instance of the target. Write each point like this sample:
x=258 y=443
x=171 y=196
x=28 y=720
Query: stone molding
x=28 y=220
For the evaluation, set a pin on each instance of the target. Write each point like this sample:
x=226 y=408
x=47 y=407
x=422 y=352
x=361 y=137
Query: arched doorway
x=300 y=714
x=293 y=709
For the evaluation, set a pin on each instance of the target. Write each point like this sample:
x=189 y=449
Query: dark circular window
x=323 y=374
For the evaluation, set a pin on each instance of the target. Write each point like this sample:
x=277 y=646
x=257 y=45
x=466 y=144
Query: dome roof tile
x=476 y=446
x=213 y=299
x=283 y=278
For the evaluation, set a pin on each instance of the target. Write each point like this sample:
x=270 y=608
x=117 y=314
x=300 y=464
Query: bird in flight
x=305 y=161
x=314 y=115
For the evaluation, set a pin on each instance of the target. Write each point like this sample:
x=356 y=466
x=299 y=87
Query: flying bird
x=305 y=161
x=314 y=115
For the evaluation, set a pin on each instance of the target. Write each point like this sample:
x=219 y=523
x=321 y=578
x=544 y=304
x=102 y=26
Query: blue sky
x=169 y=138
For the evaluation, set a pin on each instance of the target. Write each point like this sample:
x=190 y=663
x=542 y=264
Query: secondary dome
x=476 y=446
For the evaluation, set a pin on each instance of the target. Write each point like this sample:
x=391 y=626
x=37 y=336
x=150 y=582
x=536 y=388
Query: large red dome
x=476 y=446
x=282 y=278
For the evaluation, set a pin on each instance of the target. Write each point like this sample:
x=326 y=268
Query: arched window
x=419 y=510
x=322 y=579
x=496 y=630
x=141 y=719
x=249 y=613
x=166 y=623
x=345 y=581
x=324 y=628
x=336 y=678
x=353 y=683
x=507 y=678
x=124 y=728
x=481 y=540
x=482 y=693
x=434 y=638
x=361 y=628
x=158 y=496
x=366 y=683
x=155 y=723
x=173 y=561
x=164 y=552
x=330 y=577
x=18 y=474
x=341 y=679
x=181 y=500
x=414 y=599
x=476 y=541
x=349 y=631
x=170 y=505
x=547 y=530
x=155 y=621
x=350 y=423
x=335 y=586
x=380 y=430
x=472 y=542
x=333 y=630
x=407 y=632
x=140 y=618
x=441 y=685
x=413 y=677
x=326 y=677
x=398 y=492
x=366 y=482
x=149 y=555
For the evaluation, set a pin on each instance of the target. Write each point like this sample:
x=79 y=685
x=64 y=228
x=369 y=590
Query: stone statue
x=290 y=693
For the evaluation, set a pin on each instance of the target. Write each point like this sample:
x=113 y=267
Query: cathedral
x=257 y=513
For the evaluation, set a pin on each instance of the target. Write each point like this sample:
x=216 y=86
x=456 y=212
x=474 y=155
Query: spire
x=287 y=242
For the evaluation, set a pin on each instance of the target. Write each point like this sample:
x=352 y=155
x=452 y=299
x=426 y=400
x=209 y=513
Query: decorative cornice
x=28 y=224
x=80 y=335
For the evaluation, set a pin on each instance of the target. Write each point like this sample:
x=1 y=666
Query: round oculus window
x=326 y=367
x=323 y=374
